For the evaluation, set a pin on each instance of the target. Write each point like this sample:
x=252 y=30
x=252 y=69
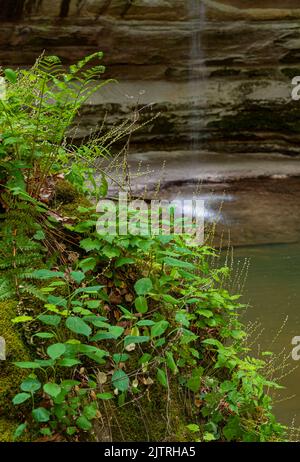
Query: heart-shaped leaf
x=41 y=414
x=52 y=389
x=56 y=351
x=143 y=286
x=77 y=325
x=30 y=385
x=120 y=380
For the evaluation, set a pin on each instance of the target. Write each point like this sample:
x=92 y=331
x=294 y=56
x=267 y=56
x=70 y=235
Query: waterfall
x=197 y=11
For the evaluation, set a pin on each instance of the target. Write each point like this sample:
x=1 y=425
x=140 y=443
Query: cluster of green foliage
x=180 y=322
x=127 y=313
x=39 y=107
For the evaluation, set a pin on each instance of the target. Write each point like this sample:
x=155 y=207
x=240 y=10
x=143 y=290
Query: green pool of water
x=272 y=289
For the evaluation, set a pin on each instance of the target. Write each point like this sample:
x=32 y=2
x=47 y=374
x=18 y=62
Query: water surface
x=272 y=288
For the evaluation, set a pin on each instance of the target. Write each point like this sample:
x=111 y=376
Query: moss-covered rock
x=67 y=199
x=160 y=415
x=7 y=428
x=65 y=192
x=10 y=376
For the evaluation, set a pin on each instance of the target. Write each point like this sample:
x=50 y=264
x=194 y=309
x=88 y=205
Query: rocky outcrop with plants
x=109 y=337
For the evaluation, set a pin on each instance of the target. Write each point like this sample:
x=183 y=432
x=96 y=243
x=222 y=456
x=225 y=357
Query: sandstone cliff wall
x=219 y=74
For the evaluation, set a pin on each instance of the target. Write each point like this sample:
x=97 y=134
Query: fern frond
x=7 y=290
x=32 y=290
x=48 y=65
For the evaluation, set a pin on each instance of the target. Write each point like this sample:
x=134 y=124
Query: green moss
x=65 y=192
x=10 y=376
x=7 y=429
x=157 y=416
x=68 y=199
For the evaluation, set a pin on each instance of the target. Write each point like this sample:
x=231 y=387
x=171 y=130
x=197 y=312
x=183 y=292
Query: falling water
x=197 y=10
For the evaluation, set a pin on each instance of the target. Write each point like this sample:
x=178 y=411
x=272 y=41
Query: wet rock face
x=230 y=63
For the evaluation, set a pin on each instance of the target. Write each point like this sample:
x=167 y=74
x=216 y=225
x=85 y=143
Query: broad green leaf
x=187 y=337
x=169 y=299
x=90 y=411
x=194 y=383
x=145 y=322
x=141 y=304
x=26 y=365
x=88 y=290
x=10 y=75
x=83 y=423
x=52 y=389
x=171 y=362
x=227 y=386
x=68 y=362
x=145 y=358
x=57 y=301
x=19 y=431
x=30 y=385
x=120 y=380
x=160 y=342
x=123 y=261
x=45 y=362
x=84 y=226
x=78 y=276
x=56 y=351
x=205 y=313
x=97 y=322
x=93 y=304
x=116 y=331
x=120 y=357
x=237 y=334
x=110 y=252
x=102 y=336
x=94 y=353
x=159 y=328
x=135 y=339
x=213 y=342
x=87 y=264
x=89 y=244
x=182 y=318
x=77 y=325
x=41 y=414
x=105 y=396
x=50 y=319
x=178 y=263
x=192 y=300
x=143 y=286
x=20 y=319
x=161 y=377
x=20 y=398
x=44 y=335
x=69 y=384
